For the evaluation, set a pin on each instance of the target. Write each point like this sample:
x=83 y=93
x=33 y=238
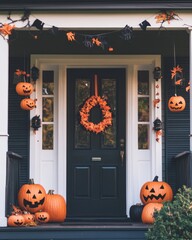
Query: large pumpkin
x=55 y=205
x=147 y=215
x=156 y=192
x=176 y=104
x=28 y=104
x=31 y=197
x=24 y=88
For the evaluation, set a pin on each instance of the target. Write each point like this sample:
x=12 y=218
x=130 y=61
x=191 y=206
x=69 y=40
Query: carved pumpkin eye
x=40 y=192
x=162 y=187
x=171 y=102
x=147 y=188
x=28 y=191
x=180 y=102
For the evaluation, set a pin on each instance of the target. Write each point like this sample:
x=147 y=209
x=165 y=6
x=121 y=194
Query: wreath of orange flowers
x=85 y=113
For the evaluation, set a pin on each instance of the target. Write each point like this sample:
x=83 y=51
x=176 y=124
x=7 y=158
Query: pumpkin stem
x=50 y=192
x=155 y=179
x=31 y=181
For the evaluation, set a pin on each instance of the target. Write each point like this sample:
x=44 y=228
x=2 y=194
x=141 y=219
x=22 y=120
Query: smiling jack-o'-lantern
x=42 y=217
x=31 y=197
x=24 y=88
x=28 y=104
x=176 y=104
x=29 y=217
x=156 y=192
x=15 y=220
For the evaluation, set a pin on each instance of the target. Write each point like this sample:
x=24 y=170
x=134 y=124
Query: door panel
x=95 y=170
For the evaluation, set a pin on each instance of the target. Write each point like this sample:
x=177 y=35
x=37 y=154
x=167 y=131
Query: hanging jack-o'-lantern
x=28 y=104
x=24 y=88
x=156 y=192
x=31 y=197
x=176 y=104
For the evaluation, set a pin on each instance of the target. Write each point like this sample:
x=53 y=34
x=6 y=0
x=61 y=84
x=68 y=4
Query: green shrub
x=174 y=220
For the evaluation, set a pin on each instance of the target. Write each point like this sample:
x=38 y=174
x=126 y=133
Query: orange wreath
x=85 y=113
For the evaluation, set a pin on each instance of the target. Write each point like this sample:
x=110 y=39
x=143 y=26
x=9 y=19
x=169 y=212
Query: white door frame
x=131 y=63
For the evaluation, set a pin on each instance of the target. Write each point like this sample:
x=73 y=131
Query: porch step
x=83 y=231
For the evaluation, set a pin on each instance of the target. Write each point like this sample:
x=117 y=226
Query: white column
x=4 y=61
x=190 y=77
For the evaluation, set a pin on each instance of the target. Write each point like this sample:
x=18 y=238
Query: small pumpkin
x=24 y=88
x=147 y=215
x=15 y=220
x=28 y=104
x=176 y=104
x=156 y=192
x=135 y=212
x=31 y=197
x=42 y=217
x=29 y=217
x=55 y=205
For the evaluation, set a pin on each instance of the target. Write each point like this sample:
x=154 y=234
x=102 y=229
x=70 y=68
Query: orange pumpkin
x=15 y=220
x=176 y=104
x=147 y=215
x=29 y=217
x=42 y=217
x=55 y=205
x=31 y=197
x=24 y=88
x=156 y=192
x=28 y=104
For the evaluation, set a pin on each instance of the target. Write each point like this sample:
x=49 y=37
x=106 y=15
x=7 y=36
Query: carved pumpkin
x=29 y=217
x=42 y=217
x=156 y=192
x=28 y=104
x=24 y=88
x=15 y=220
x=135 y=212
x=31 y=197
x=147 y=215
x=176 y=104
x=55 y=205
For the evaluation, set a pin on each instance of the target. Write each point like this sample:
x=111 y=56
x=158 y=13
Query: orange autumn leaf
x=70 y=36
x=96 y=41
x=6 y=29
x=175 y=70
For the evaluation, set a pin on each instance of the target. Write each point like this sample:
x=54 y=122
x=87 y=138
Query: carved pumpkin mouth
x=18 y=223
x=33 y=205
x=29 y=106
x=26 y=91
x=176 y=108
x=42 y=219
x=152 y=196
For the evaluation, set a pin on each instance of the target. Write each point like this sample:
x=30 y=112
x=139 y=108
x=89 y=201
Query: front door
x=96 y=160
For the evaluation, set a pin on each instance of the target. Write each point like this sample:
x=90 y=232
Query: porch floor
x=77 y=230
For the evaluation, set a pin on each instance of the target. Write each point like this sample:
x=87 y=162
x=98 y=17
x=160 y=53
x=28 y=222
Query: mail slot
x=96 y=159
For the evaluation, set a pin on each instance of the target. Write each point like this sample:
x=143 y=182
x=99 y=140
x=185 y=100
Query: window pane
x=143 y=136
x=143 y=109
x=48 y=83
x=48 y=109
x=82 y=93
x=109 y=94
x=47 y=137
x=143 y=82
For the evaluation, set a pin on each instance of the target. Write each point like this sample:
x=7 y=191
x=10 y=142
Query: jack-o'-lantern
x=31 y=197
x=42 y=217
x=15 y=220
x=176 y=104
x=147 y=215
x=28 y=104
x=55 y=205
x=24 y=88
x=29 y=217
x=156 y=192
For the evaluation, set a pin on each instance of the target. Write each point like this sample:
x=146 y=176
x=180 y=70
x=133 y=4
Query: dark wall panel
x=176 y=124
x=18 y=123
